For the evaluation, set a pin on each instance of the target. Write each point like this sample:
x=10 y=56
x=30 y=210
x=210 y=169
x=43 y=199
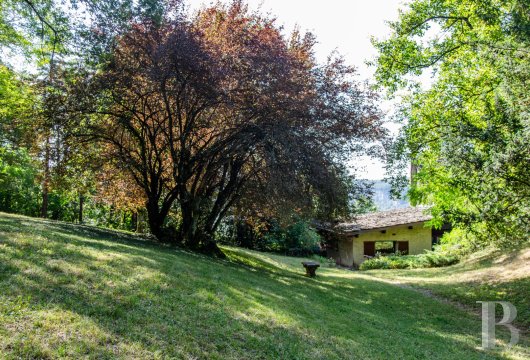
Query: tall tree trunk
x=46 y=179
x=134 y=220
x=188 y=228
x=81 y=201
x=47 y=150
x=140 y=223
x=195 y=237
x=154 y=218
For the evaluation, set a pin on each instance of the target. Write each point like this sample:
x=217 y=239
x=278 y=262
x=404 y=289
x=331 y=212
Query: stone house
x=403 y=230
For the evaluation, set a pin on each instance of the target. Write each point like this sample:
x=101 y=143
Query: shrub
x=19 y=190
x=461 y=242
x=296 y=239
x=329 y=262
x=382 y=262
x=428 y=260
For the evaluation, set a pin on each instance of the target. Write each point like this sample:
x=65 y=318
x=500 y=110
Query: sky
x=342 y=25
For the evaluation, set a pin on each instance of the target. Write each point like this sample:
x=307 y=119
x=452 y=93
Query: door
x=403 y=247
x=369 y=248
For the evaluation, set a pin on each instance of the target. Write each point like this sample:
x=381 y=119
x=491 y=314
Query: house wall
x=351 y=249
x=345 y=252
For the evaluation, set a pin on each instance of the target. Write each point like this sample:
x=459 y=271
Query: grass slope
x=79 y=292
x=487 y=275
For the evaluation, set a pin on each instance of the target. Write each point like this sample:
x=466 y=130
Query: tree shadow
x=142 y=298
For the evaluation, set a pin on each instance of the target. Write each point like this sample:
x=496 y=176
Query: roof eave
x=355 y=232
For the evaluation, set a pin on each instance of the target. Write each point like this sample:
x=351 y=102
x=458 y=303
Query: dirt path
x=428 y=293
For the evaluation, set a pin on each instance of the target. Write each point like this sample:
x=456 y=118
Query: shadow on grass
x=490 y=276
x=142 y=298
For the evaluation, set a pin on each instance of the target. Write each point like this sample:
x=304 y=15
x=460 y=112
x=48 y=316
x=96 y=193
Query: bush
x=382 y=262
x=428 y=260
x=19 y=189
x=462 y=242
x=301 y=236
x=297 y=239
x=329 y=262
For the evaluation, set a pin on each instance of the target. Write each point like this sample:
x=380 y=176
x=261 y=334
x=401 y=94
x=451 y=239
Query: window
x=385 y=247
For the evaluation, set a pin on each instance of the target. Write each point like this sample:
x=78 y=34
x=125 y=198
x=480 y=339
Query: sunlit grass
x=71 y=292
x=485 y=276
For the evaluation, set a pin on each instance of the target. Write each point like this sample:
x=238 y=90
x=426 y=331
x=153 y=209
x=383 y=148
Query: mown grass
x=486 y=276
x=78 y=292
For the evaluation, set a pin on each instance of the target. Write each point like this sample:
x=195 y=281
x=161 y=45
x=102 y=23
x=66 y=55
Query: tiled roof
x=384 y=219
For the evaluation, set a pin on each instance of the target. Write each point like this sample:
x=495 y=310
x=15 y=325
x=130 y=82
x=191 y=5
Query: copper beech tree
x=200 y=108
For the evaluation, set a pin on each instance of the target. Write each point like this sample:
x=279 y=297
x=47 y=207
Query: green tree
x=469 y=132
x=18 y=190
x=16 y=101
x=198 y=111
x=18 y=171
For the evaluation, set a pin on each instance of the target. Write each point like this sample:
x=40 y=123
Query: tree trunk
x=195 y=237
x=140 y=223
x=46 y=179
x=209 y=247
x=155 y=224
x=188 y=228
x=155 y=219
x=134 y=220
x=81 y=201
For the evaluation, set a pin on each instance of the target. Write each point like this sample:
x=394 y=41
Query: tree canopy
x=197 y=109
x=130 y=109
x=468 y=132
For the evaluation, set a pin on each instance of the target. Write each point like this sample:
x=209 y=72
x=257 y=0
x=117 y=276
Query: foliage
x=16 y=100
x=427 y=260
x=460 y=242
x=220 y=109
x=18 y=170
x=384 y=245
x=297 y=238
x=18 y=191
x=329 y=262
x=69 y=291
x=360 y=200
x=468 y=133
x=246 y=233
x=47 y=41
x=236 y=116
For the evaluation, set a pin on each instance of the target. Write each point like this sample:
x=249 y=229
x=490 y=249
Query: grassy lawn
x=73 y=292
x=487 y=275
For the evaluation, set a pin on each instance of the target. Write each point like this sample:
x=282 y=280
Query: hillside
x=487 y=275
x=72 y=291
